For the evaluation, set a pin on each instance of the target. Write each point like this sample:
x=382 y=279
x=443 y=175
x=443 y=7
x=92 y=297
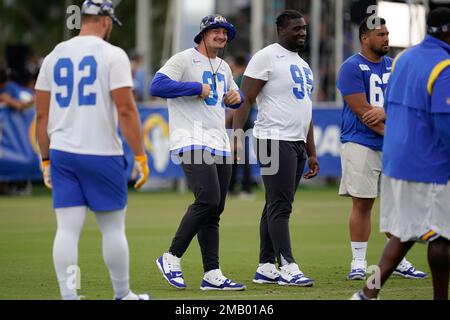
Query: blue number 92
x=63 y=74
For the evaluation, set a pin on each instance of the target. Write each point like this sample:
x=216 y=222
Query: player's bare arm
x=250 y=89
x=130 y=124
x=129 y=119
x=42 y=111
x=229 y=116
x=313 y=163
x=359 y=106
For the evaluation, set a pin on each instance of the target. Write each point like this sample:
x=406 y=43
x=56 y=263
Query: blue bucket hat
x=100 y=8
x=213 y=22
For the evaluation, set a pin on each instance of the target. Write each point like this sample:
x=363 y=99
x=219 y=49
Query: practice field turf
x=319 y=235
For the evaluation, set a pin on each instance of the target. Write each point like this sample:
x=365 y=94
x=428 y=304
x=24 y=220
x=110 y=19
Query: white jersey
x=194 y=122
x=284 y=103
x=80 y=74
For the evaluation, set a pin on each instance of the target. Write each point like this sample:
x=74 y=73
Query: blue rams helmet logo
x=212 y=22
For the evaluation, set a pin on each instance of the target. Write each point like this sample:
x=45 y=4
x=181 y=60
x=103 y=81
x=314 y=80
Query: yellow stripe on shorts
x=429 y=235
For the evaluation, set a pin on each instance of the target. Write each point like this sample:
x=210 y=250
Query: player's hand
x=314 y=168
x=206 y=91
x=232 y=98
x=141 y=168
x=46 y=173
x=13 y=103
x=374 y=116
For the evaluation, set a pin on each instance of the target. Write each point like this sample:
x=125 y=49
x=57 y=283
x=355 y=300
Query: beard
x=299 y=46
x=380 y=51
x=296 y=47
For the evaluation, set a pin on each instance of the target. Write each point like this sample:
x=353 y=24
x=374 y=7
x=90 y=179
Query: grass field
x=318 y=230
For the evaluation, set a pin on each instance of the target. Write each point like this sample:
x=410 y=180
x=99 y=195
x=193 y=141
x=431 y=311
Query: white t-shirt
x=194 y=122
x=284 y=103
x=80 y=74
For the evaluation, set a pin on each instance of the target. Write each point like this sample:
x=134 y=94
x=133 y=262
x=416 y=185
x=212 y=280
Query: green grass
x=319 y=232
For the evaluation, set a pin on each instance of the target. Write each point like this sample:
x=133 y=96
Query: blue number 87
x=208 y=78
x=66 y=79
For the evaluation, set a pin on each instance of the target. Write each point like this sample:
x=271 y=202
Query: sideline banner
x=19 y=158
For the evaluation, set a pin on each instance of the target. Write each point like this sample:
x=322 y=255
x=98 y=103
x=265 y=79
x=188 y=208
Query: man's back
x=413 y=150
x=81 y=73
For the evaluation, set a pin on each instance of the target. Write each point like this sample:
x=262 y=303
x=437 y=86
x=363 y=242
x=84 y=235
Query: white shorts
x=361 y=171
x=414 y=211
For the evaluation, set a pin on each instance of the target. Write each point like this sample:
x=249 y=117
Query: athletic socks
x=115 y=249
x=65 y=249
x=359 y=250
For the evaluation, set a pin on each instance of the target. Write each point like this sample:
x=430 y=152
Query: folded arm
x=371 y=116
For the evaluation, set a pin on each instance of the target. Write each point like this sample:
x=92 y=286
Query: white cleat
x=358 y=270
x=133 y=296
x=406 y=270
x=267 y=274
x=361 y=296
x=170 y=268
x=214 y=280
x=291 y=275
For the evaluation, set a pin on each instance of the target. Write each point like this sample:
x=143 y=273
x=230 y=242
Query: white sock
x=359 y=250
x=65 y=249
x=115 y=249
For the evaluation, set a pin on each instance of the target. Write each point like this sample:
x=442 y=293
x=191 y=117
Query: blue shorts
x=97 y=182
